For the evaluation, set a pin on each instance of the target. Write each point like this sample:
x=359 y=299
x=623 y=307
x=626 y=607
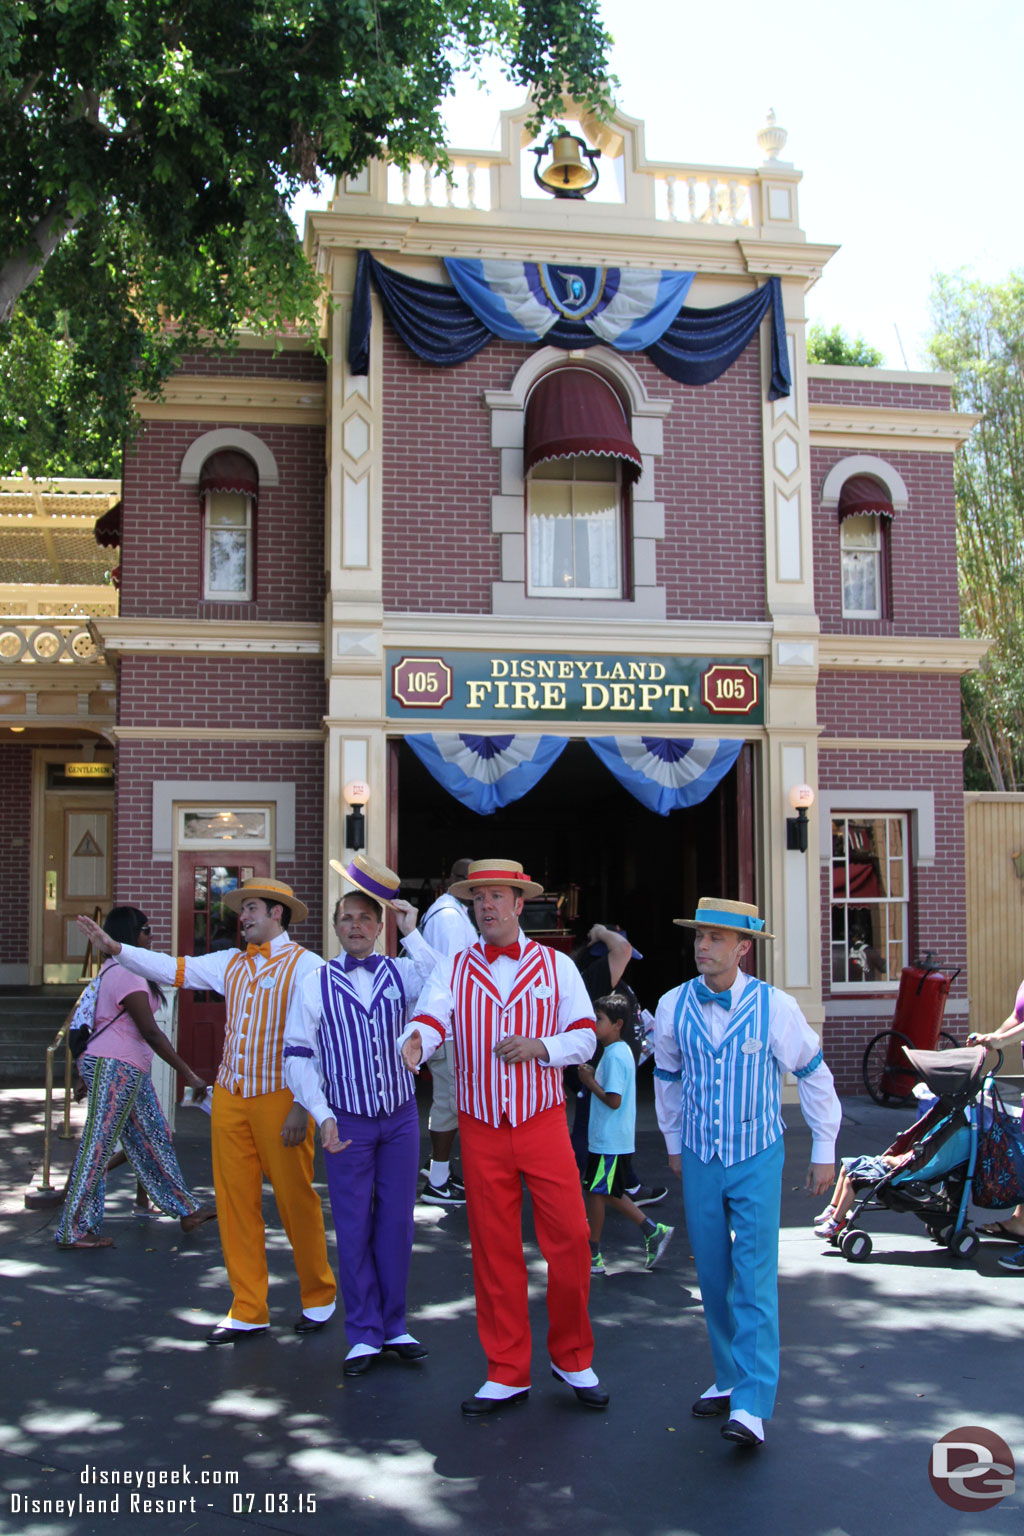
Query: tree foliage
x=149 y=152
x=978 y=337
x=835 y=346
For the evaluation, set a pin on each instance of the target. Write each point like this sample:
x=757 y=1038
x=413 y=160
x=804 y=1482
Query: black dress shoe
x=224 y=1335
x=359 y=1365
x=410 y=1350
x=740 y=1434
x=310 y=1324
x=479 y=1407
x=590 y=1397
x=710 y=1407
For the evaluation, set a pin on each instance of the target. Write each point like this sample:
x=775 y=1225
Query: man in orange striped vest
x=257 y=1128
x=516 y=1012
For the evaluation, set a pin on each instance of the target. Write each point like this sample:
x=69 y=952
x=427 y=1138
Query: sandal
x=1001 y=1230
x=196 y=1219
x=91 y=1240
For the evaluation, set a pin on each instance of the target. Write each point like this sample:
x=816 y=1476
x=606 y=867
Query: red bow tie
x=492 y=951
x=257 y=949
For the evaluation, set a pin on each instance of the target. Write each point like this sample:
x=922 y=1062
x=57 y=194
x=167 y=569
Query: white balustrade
x=423 y=186
x=48 y=640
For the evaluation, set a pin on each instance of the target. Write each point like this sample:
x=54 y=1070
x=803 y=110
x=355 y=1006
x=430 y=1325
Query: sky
x=900 y=116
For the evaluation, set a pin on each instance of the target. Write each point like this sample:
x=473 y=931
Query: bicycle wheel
x=873 y=1068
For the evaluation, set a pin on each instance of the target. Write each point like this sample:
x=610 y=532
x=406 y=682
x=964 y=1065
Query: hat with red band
x=494 y=872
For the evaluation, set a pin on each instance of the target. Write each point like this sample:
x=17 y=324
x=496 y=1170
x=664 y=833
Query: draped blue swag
x=566 y=306
x=486 y=772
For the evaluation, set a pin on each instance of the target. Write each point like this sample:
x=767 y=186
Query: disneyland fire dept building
x=558 y=551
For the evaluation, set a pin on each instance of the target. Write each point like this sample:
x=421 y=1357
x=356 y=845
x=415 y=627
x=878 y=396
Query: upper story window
x=575 y=528
x=229 y=486
x=580 y=460
x=864 y=515
x=870 y=900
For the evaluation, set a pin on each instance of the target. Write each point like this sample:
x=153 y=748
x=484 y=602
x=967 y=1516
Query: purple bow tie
x=370 y=963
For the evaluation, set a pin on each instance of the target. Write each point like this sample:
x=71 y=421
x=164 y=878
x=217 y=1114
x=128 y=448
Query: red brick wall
x=253 y=362
x=938 y=908
x=15 y=872
x=890 y=704
x=904 y=397
x=440 y=555
x=161 y=552
x=251 y=693
x=141 y=881
x=921 y=550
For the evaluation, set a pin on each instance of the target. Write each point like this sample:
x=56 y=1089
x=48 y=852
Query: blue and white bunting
x=664 y=773
x=486 y=772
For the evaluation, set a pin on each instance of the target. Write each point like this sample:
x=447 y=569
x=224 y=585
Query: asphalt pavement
x=110 y=1393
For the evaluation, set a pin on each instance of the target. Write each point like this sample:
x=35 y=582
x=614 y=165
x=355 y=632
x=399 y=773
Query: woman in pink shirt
x=122 y=1103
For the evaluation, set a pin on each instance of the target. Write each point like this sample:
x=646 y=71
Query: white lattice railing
x=422 y=186
x=691 y=195
x=48 y=640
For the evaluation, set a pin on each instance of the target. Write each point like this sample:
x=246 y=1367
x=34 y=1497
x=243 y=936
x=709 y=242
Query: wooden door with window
x=77 y=875
x=206 y=924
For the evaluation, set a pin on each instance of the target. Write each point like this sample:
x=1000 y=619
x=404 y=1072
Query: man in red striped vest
x=516 y=1013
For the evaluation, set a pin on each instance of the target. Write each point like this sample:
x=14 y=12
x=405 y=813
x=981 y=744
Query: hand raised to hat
x=96 y=936
x=406 y=915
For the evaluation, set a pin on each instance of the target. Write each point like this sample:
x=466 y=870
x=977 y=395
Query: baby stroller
x=934 y=1183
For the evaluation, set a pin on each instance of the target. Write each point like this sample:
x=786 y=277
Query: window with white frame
x=870 y=900
x=228 y=546
x=861 y=544
x=575 y=532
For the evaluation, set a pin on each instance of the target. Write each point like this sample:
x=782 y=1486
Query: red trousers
x=495 y=1162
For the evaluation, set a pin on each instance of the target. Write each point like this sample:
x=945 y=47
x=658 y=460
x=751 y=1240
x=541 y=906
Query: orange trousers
x=246 y=1146
x=496 y=1160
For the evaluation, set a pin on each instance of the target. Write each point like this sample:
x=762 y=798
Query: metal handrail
x=46 y=1189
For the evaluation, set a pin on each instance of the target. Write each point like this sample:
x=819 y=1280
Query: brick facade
x=15 y=851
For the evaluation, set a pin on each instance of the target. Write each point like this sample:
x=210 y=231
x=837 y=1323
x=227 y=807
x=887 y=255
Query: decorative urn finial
x=772 y=138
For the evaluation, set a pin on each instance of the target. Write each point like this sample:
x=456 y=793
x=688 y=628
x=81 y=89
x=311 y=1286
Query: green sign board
x=659 y=690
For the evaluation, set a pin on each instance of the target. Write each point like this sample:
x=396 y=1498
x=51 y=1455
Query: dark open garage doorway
x=579 y=827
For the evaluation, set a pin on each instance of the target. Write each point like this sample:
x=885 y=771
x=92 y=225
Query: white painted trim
x=864 y=464
x=197 y=453
x=166 y=792
x=918 y=804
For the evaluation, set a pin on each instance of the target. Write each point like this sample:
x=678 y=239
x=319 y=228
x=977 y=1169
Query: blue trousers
x=372 y=1185
x=732 y=1218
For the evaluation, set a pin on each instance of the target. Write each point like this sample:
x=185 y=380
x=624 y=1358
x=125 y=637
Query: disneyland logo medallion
x=971 y=1468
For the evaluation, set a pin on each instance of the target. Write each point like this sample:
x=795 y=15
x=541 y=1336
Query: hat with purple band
x=736 y=916
x=372 y=879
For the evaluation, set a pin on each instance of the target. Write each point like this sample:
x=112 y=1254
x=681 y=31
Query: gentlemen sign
x=666 y=690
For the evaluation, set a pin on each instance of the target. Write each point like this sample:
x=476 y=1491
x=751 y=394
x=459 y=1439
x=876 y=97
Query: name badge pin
x=542 y=991
x=392 y=992
x=749 y=1047
x=266 y=982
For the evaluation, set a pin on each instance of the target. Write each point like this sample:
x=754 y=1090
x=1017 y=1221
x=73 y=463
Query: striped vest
x=731 y=1097
x=487 y=1087
x=257 y=1002
x=359 y=1057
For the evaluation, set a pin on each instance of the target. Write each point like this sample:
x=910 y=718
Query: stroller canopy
x=950 y=1074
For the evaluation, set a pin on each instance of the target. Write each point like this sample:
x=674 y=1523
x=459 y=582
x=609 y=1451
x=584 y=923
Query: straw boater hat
x=373 y=879
x=495 y=872
x=269 y=891
x=737 y=916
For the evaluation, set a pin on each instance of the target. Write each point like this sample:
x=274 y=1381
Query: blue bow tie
x=370 y=963
x=705 y=994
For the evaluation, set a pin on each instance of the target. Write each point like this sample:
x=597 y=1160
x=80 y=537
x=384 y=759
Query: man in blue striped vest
x=722 y=1043
x=342 y=1063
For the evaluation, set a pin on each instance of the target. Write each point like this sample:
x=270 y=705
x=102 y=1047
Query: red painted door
x=205 y=924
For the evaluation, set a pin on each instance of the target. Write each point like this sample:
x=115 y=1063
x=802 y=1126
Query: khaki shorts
x=444 y=1115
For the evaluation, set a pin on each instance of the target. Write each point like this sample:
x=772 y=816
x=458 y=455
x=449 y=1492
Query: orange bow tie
x=252 y=950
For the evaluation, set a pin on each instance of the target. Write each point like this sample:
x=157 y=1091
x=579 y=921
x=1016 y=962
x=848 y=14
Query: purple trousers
x=372 y=1185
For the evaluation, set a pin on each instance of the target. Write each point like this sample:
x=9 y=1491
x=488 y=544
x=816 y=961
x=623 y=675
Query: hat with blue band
x=736 y=916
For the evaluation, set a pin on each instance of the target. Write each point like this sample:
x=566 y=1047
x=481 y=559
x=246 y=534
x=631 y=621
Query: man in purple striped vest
x=722 y=1043
x=342 y=1063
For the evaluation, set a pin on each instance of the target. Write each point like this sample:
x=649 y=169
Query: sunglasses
x=145 y=928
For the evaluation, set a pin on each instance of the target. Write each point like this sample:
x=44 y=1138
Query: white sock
x=713 y=1391
x=232 y=1322
x=498 y=1390
x=438 y=1174
x=402 y=1338
x=585 y=1378
x=361 y=1349
x=748 y=1421
x=319 y=1314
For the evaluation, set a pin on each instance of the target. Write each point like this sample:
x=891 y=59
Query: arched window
x=580 y=461
x=228 y=489
x=864 y=515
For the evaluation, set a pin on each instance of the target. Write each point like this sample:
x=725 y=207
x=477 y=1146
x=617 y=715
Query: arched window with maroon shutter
x=865 y=511
x=228 y=490
x=580 y=460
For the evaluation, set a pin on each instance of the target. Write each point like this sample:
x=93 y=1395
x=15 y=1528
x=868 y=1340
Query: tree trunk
x=24 y=267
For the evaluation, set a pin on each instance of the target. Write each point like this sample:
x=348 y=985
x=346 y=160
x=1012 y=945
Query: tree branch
x=21 y=269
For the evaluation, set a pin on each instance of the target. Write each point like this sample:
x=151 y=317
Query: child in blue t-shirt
x=611 y=1133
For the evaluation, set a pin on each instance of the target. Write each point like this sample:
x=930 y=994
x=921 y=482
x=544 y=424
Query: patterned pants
x=122 y=1106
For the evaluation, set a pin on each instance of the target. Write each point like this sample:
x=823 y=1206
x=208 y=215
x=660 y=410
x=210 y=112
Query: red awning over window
x=229 y=471
x=861 y=496
x=573 y=411
x=107 y=529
